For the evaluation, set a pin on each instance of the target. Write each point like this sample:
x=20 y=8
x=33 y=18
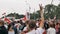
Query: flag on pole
x=24 y=18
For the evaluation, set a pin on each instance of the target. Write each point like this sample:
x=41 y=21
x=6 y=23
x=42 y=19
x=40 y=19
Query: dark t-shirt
x=3 y=30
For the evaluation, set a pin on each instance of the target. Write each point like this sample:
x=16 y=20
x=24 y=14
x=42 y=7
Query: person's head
x=10 y=26
x=1 y=22
x=21 y=22
x=32 y=25
x=27 y=22
x=59 y=25
x=51 y=25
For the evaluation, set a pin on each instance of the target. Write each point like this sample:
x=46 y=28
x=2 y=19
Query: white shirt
x=39 y=30
x=25 y=28
x=6 y=26
x=51 y=31
x=32 y=32
x=11 y=32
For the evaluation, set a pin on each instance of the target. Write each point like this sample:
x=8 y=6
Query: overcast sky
x=20 y=6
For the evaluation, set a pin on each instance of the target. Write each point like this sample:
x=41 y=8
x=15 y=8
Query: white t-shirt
x=37 y=31
x=51 y=31
x=11 y=32
x=32 y=32
x=6 y=26
x=25 y=28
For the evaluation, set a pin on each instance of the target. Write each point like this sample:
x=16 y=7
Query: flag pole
x=29 y=11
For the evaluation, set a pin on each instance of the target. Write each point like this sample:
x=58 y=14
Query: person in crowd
x=10 y=29
x=26 y=27
x=22 y=25
x=5 y=24
x=46 y=24
x=14 y=27
x=40 y=30
x=32 y=26
x=37 y=23
x=51 y=29
x=3 y=30
x=58 y=29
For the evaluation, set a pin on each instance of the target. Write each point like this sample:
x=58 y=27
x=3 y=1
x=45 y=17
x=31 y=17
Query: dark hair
x=2 y=22
x=21 y=22
x=57 y=23
x=52 y=25
x=27 y=22
x=32 y=24
x=9 y=26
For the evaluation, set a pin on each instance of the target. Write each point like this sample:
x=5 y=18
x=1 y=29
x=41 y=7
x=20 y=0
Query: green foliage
x=52 y=10
x=17 y=16
x=35 y=15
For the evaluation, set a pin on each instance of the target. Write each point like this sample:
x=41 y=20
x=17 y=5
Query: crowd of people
x=40 y=26
x=30 y=27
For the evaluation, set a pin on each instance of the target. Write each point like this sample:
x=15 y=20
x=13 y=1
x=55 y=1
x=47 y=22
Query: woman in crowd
x=10 y=29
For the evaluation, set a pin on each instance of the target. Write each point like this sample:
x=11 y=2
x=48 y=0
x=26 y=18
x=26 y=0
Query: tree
x=50 y=11
x=35 y=15
x=16 y=15
x=58 y=11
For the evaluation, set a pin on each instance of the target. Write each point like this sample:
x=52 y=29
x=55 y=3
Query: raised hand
x=41 y=8
x=42 y=15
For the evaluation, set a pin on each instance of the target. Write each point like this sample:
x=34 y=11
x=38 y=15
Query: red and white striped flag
x=24 y=18
x=7 y=20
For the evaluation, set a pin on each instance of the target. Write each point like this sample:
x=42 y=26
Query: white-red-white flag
x=24 y=18
x=7 y=20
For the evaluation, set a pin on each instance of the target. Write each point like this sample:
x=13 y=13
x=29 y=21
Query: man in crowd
x=3 y=30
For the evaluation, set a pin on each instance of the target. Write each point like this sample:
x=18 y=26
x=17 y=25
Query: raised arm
x=42 y=16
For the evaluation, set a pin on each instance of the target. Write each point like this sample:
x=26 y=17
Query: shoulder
x=28 y=33
x=48 y=29
x=40 y=29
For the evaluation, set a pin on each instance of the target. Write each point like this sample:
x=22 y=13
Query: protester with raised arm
x=40 y=30
x=3 y=30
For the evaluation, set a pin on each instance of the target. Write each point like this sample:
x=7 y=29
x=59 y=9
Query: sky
x=22 y=6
